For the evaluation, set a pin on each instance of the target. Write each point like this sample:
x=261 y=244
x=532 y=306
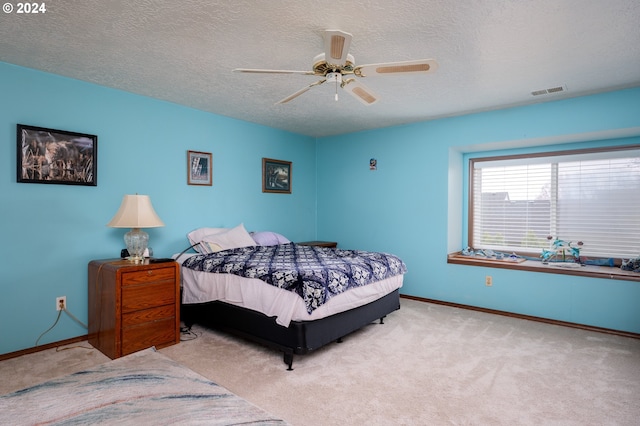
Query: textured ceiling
x=491 y=53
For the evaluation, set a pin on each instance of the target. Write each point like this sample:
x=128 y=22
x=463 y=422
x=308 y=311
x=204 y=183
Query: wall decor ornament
x=199 y=168
x=276 y=176
x=56 y=156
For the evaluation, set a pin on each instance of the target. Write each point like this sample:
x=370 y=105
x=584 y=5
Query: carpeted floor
x=428 y=364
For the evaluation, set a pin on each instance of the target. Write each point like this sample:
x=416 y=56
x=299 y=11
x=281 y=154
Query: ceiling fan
x=336 y=65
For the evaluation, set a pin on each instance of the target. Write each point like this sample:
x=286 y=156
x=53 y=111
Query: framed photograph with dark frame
x=56 y=156
x=276 y=176
x=200 y=168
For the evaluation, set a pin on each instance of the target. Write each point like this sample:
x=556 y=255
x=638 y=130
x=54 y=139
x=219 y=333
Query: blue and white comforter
x=314 y=273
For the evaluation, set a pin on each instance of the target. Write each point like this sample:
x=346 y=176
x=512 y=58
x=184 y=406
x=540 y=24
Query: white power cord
x=64 y=309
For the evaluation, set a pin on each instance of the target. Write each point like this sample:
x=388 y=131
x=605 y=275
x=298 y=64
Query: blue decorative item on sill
x=562 y=251
x=490 y=254
x=632 y=265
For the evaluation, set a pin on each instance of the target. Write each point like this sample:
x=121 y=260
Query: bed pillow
x=229 y=239
x=267 y=238
x=197 y=235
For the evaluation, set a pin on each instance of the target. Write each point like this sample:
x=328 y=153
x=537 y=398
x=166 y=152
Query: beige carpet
x=428 y=364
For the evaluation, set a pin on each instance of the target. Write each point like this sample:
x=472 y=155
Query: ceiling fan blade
x=259 y=71
x=299 y=92
x=407 y=67
x=336 y=47
x=360 y=91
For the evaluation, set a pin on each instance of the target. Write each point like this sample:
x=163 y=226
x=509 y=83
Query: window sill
x=606 y=272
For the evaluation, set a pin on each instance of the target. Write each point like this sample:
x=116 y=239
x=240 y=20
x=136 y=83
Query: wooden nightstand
x=133 y=306
x=330 y=244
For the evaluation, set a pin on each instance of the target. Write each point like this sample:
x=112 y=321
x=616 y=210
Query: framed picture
x=200 y=168
x=56 y=156
x=276 y=176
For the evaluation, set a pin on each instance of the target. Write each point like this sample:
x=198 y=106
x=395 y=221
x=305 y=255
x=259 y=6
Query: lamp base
x=136 y=241
x=134 y=259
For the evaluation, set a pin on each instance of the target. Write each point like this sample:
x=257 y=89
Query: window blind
x=593 y=197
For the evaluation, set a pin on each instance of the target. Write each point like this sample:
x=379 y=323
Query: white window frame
x=608 y=249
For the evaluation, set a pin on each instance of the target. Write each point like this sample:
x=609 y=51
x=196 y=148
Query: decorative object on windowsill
x=136 y=212
x=562 y=251
x=491 y=255
x=632 y=265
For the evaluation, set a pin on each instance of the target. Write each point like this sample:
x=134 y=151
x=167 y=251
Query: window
x=592 y=196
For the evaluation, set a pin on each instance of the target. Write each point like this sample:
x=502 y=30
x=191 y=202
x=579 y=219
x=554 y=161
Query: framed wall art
x=200 y=168
x=276 y=176
x=56 y=156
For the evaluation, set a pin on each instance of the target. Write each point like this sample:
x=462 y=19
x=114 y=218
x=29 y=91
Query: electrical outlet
x=61 y=303
x=488 y=280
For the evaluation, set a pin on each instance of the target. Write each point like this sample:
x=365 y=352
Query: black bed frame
x=301 y=337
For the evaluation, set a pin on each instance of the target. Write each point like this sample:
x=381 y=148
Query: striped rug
x=142 y=388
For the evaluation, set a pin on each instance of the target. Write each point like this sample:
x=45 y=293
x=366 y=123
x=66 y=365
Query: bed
x=290 y=297
x=145 y=387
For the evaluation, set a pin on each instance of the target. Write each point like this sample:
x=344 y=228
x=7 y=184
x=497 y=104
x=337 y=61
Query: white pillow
x=197 y=235
x=229 y=239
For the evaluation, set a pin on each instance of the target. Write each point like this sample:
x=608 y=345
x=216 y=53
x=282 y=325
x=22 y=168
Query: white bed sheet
x=285 y=305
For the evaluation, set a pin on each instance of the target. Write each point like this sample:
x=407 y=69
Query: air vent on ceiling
x=549 y=91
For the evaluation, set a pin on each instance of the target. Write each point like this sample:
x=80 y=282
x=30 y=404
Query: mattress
x=284 y=305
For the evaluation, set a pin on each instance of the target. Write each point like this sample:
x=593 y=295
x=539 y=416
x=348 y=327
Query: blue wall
x=50 y=232
x=413 y=205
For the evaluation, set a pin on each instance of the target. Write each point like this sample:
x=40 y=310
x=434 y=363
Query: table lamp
x=136 y=212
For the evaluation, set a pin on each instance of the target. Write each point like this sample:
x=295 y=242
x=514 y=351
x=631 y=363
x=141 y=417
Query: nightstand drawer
x=140 y=277
x=144 y=296
x=148 y=315
x=157 y=333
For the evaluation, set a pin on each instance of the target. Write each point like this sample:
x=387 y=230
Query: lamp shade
x=135 y=211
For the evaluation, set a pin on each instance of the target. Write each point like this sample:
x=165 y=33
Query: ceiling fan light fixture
x=334 y=77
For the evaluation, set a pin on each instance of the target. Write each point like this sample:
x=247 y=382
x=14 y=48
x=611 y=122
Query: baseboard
x=402 y=296
x=43 y=347
x=525 y=317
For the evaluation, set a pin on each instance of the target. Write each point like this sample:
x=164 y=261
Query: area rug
x=142 y=388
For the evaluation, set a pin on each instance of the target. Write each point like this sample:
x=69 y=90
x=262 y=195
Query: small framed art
x=276 y=176
x=200 y=168
x=56 y=156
